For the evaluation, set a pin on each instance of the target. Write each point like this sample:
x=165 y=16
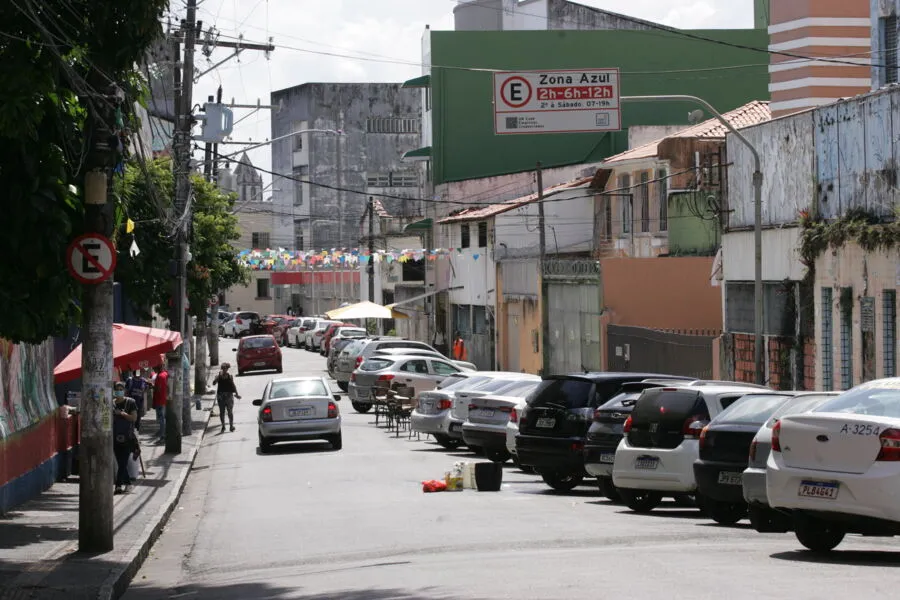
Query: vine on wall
x=857 y=225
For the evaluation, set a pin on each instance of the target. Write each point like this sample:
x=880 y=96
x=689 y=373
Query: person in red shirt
x=160 y=397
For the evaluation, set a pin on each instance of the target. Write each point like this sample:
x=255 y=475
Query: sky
x=378 y=40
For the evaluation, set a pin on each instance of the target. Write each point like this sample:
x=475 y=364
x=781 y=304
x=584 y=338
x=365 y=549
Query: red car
x=280 y=329
x=329 y=333
x=271 y=322
x=258 y=353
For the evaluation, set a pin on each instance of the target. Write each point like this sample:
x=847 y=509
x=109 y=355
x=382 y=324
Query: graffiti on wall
x=26 y=385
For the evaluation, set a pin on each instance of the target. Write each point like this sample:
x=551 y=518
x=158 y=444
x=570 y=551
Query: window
x=608 y=218
x=663 y=187
x=298 y=237
x=415 y=366
x=889 y=45
x=428 y=98
x=392 y=125
x=846 y=338
x=260 y=240
x=297 y=138
x=827 y=340
x=889 y=310
x=401 y=179
x=645 y=202
x=442 y=368
x=260 y=342
x=464 y=241
x=626 y=197
x=307 y=387
x=300 y=173
x=262 y=288
x=482 y=234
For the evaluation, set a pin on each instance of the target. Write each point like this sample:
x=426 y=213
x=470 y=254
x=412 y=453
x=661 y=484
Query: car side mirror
x=257 y=402
x=337 y=397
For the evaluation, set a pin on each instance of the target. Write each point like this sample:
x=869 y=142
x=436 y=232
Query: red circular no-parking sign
x=515 y=91
x=91 y=258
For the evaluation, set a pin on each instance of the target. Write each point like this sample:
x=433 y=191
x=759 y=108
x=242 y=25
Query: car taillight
x=890 y=445
x=359 y=360
x=353 y=376
x=626 y=428
x=385 y=377
x=267 y=414
x=753 y=445
x=703 y=436
x=444 y=404
x=514 y=416
x=505 y=409
x=332 y=410
x=472 y=407
x=776 y=437
x=692 y=427
x=596 y=415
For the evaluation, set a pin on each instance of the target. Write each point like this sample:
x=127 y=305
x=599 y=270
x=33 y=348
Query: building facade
x=355 y=135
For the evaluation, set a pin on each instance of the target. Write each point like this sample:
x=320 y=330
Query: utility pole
x=545 y=308
x=212 y=174
x=95 y=487
x=182 y=152
x=370 y=267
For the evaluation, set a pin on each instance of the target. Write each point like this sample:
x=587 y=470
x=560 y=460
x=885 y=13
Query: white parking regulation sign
x=562 y=101
x=91 y=258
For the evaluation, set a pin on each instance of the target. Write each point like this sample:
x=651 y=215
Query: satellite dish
x=696 y=116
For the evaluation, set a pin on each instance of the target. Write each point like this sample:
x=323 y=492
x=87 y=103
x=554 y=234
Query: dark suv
x=555 y=422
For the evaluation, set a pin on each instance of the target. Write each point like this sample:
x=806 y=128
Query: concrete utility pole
x=545 y=308
x=182 y=152
x=759 y=363
x=95 y=487
x=370 y=268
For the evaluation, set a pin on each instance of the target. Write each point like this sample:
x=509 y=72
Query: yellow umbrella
x=365 y=310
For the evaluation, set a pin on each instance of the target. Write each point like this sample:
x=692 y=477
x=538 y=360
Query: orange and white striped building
x=818 y=32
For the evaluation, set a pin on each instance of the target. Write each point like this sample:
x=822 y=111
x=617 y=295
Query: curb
x=117 y=583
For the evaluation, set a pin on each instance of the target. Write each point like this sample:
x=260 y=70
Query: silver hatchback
x=421 y=373
x=298 y=409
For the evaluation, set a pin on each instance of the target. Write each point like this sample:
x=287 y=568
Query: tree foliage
x=146 y=277
x=59 y=58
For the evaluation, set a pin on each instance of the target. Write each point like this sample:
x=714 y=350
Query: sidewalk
x=39 y=540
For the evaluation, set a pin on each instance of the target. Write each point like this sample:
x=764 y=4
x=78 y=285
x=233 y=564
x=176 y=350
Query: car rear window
x=570 y=393
x=248 y=315
x=870 y=399
x=752 y=409
x=309 y=323
x=457 y=381
x=520 y=389
x=306 y=387
x=798 y=405
x=620 y=401
x=402 y=344
x=265 y=342
x=659 y=404
x=376 y=364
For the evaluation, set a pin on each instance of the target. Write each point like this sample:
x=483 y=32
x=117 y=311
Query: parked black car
x=555 y=422
x=724 y=454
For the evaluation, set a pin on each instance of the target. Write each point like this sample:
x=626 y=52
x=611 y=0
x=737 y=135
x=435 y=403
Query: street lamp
x=279 y=138
x=757 y=220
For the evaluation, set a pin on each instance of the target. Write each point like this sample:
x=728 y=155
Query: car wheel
x=343 y=386
x=817 y=535
x=640 y=501
x=607 y=489
x=498 y=456
x=447 y=442
x=562 y=482
x=475 y=449
x=520 y=466
x=360 y=407
x=766 y=520
x=337 y=441
x=725 y=513
x=686 y=501
x=264 y=444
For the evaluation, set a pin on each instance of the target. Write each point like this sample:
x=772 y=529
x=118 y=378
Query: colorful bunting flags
x=293 y=260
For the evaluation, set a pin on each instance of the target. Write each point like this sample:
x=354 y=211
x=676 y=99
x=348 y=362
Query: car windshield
x=875 y=399
x=623 y=400
x=376 y=364
x=303 y=387
x=752 y=409
x=351 y=332
x=265 y=342
x=798 y=405
x=570 y=393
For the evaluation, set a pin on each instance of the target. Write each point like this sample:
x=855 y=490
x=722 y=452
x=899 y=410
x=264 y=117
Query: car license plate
x=730 y=478
x=303 y=411
x=819 y=489
x=261 y=363
x=608 y=458
x=646 y=462
x=546 y=423
x=487 y=412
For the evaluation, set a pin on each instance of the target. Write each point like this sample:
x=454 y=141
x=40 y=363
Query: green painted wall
x=651 y=62
x=693 y=231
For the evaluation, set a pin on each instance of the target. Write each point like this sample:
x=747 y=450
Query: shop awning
x=418 y=154
x=422 y=81
x=423 y=225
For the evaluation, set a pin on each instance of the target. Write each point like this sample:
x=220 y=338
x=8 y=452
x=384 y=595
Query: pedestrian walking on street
x=160 y=398
x=459 y=347
x=124 y=417
x=226 y=392
x=136 y=387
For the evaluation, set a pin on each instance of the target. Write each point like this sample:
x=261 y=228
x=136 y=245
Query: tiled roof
x=749 y=114
x=485 y=212
x=380 y=211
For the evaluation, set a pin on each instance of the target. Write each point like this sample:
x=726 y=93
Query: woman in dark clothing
x=124 y=416
x=226 y=392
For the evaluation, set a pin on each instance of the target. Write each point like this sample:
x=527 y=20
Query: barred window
x=889 y=325
x=663 y=187
x=400 y=179
x=645 y=202
x=846 y=338
x=827 y=351
x=626 y=198
x=392 y=125
x=260 y=239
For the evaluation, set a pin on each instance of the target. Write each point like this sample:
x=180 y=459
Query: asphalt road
x=306 y=522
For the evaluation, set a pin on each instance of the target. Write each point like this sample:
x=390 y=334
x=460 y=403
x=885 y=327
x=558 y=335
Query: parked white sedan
x=837 y=468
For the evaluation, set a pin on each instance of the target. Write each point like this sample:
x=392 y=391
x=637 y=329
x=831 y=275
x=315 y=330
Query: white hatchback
x=837 y=468
x=656 y=456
